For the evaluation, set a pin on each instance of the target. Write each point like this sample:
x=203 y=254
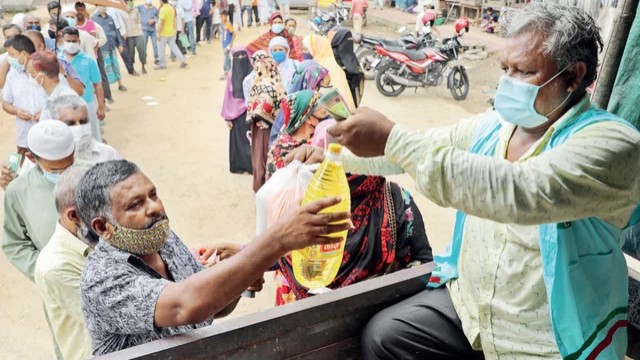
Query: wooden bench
x=321 y=327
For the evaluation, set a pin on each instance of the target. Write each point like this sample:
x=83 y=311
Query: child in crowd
x=227 y=41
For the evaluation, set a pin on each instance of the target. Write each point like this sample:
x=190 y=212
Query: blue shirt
x=110 y=30
x=227 y=36
x=89 y=73
x=147 y=14
x=205 y=9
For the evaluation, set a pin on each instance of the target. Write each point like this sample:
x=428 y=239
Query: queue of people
x=545 y=186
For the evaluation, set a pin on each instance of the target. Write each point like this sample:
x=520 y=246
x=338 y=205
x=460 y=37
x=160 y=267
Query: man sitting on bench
x=141 y=283
x=545 y=186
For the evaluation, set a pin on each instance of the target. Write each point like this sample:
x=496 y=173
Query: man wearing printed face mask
x=20 y=97
x=545 y=185
x=29 y=211
x=141 y=283
x=31 y=22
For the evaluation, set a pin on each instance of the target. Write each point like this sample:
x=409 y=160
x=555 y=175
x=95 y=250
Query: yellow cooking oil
x=316 y=266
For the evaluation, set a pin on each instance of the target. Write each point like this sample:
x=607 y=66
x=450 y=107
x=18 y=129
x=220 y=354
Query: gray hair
x=572 y=34
x=73 y=102
x=93 y=195
x=65 y=191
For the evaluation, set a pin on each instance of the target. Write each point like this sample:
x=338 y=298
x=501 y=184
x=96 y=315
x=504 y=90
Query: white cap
x=51 y=140
x=68 y=9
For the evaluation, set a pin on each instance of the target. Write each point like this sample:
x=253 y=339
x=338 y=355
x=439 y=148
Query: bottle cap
x=335 y=149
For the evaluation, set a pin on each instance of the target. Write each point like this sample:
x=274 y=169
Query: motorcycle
x=369 y=58
x=426 y=67
x=325 y=21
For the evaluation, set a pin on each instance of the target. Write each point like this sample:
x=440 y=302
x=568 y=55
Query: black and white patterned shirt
x=119 y=294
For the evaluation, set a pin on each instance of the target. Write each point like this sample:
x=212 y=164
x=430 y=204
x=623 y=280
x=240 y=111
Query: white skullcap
x=51 y=140
x=18 y=19
x=68 y=9
x=278 y=41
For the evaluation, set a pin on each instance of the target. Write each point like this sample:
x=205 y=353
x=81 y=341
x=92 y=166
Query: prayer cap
x=278 y=41
x=51 y=140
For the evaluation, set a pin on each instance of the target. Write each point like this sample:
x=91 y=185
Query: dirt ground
x=182 y=145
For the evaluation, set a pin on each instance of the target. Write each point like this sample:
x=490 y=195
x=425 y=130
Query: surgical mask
x=52 y=34
x=72 y=21
x=131 y=5
x=15 y=63
x=82 y=137
x=148 y=2
x=35 y=27
x=277 y=28
x=51 y=177
x=515 y=101
x=71 y=47
x=291 y=30
x=141 y=242
x=279 y=56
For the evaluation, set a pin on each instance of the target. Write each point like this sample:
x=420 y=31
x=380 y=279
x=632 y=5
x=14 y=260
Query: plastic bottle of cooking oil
x=316 y=266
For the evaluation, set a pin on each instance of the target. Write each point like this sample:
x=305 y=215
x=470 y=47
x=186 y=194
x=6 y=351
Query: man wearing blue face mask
x=546 y=187
x=20 y=97
x=29 y=211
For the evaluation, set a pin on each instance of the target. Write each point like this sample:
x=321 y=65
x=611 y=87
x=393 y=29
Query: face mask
x=307 y=56
x=15 y=63
x=291 y=30
x=35 y=27
x=51 y=177
x=71 y=47
x=277 y=28
x=141 y=242
x=173 y=3
x=82 y=137
x=72 y=21
x=515 y=100
x=131 y=5
x=279 y=56
x=52 y=34
x=148 y=2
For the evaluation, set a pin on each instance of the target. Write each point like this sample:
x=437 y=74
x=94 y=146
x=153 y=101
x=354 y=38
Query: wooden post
x=613 y=51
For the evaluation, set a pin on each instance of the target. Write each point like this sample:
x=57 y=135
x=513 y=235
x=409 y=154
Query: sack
x=184 y=40
x=284 y=191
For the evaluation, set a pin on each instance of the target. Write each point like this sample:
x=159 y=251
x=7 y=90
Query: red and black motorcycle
x=404 y=68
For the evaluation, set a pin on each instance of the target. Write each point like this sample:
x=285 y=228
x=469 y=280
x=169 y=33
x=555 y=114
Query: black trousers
x=255 y=14
x=232 y=9
x=206 y=23
x=424 y=326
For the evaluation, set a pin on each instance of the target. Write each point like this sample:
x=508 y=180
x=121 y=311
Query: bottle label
x=330 y=248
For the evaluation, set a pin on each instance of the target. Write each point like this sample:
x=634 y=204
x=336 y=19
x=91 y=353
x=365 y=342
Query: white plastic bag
x=284 y=191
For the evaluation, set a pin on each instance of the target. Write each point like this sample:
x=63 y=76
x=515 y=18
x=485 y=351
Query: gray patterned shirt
x=119 y=295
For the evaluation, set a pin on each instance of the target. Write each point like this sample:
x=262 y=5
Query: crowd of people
x=545 y=185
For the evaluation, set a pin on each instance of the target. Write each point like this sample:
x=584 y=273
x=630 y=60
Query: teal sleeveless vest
x=584 y=270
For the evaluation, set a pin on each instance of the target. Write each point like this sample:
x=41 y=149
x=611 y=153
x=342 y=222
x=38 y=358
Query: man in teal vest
x=545 y=186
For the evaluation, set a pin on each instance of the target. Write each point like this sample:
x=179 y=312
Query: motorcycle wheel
x=365 y=58
x=460 y=84
x=387 y=88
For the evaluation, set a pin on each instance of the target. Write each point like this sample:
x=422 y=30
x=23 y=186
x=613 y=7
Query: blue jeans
x=154 y=42
x=191 y=32
x=227 y=60
x=246 y=8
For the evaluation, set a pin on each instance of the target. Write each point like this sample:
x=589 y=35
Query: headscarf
x=297 y=108
x=233 y=104
x=267 y=91
x=342 y=45
x=320 y=48
x=308 y=76
x=288 y=66
x=262 y=42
